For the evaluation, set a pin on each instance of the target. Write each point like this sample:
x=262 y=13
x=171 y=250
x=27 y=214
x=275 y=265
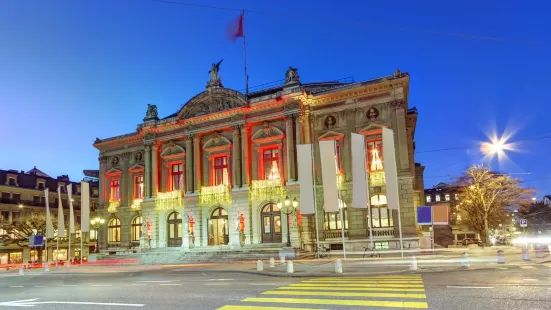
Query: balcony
x=136 y=204
x=267 y=189
x=377 y=178
x=219 y=194
x=334 y=234
x=113 y=206
x=169 y=200
x=382 y=232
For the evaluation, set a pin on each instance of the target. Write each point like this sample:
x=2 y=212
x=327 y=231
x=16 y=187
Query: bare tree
x=484 y=194
x=19 y=231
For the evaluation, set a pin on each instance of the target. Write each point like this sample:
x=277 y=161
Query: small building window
x=138 y=187
x=115 y=190
x=16 y=198
x=36 y=200
x=270 y=160
x=447 y=197
x=63 y=188
x=177 y=177
x=136 y=228
x=456 y=196
x=114 y=230
x=437 y=197
x=41 y=185
x=220 y=171
x=12 y=181
x=374 y=155
x=429 y=198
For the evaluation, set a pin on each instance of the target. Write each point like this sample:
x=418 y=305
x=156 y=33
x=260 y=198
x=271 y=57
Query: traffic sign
x=523 y=222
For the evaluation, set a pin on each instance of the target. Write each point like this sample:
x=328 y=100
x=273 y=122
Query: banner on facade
x=84 y=206
x=440 y=214
x=424 y=215
x=71 y=212
x=60 y=217
x=49 y=224
x=329 y=176
x=304 y=161
x=360 y=192
x=391 y=172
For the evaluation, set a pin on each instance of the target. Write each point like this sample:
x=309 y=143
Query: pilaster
x=197 y=162
x=189 y=165
x=125 y=178
x=290 y=149
x=147 y=170
x=102 y=170
x=154 y=169
x=236 y=158
x=245 y=162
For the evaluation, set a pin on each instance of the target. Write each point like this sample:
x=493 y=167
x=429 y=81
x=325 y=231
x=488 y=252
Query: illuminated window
x=114 y=230
x=338 y=159
x=270 y=161
x=138 y=187
x=374 y=155
x=177 y=177
x=136 y=228
x=380 y=214
x=428 y=199
x=220 y=167
x=12 y=181
x=115 y=190
x=437 y=197
x=447 y=197
x=333 y=220
x=456 y=196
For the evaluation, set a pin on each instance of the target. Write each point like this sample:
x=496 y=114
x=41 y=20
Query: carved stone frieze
x=212 y=101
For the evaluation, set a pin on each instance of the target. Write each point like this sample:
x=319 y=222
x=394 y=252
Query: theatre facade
x=212 y=174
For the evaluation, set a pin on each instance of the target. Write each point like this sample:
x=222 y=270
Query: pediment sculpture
x=212 y=101
x=151 y=113
x=267 y=132
x=216 y=141
x=214 y=79
x=291 y=76
x=172 y=149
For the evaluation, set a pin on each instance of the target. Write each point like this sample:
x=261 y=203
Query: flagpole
x=368 y=199
x=340 y=199
x=315 y=202
x=245 y=56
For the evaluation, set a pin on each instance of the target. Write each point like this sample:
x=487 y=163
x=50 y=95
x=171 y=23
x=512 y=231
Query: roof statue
x=151 y=113
x=214 y=79
x=291 y=76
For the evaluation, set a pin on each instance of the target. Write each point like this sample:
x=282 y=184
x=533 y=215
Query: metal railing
x=334 y=234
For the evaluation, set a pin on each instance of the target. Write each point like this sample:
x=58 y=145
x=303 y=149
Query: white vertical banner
x=304 y=162
x=360 y=192
x=84 y=206
x=71 y=212
x=49 y=224
x=329 y=176
x=60 y=217
x=391 y=172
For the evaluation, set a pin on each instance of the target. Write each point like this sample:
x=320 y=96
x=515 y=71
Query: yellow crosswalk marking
x=547 y=265
x=376 y=278
x=385 y=289
x=365 y=281
x=344 y=294
x=360 y=285
x=527 y=267
x=241 y=307
x=342 y=302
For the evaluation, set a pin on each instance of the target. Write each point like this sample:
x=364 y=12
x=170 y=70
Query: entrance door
x=271 y=224
x=174 y=224
x=218 y=227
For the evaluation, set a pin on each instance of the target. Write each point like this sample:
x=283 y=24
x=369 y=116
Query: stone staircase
x=167 y=256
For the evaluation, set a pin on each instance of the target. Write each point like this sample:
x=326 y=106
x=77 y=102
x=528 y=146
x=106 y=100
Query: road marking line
x=527 y=267
x=170 y=284
x=474 y=287
x=363 y=282
x=98 y=285
x=220 y=279
x=353 y=289
x=547 y=265
x=69 y=285
x=216 y=283
x=39 y=286
x=265 y=308
x=530 y=280
x=373 y=278
x=342 y=302
x=345 y=294
x=154 y=281
x=359 y=285
x=135 y=284
x=16 y=286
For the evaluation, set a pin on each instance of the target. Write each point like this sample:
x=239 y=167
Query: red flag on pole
x=236 y=29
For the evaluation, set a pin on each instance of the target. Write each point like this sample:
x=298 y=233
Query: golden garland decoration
x=267 y=189
x=113 y=206
x=168 y=200
x=215 y=194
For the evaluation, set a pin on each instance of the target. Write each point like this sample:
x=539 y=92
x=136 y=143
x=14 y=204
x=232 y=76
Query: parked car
x=469 y=241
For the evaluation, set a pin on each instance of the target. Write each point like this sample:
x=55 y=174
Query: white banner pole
x=368 y=199
x=341 y=203
x=315 y=202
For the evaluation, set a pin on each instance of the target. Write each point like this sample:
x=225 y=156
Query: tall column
x=307 y=127
x=147 y=172
x=290 y=149
x=236 y=158
x=154 y=170
x=189 y=165
x=245 y=161
x=125 y=179
x=197 y=162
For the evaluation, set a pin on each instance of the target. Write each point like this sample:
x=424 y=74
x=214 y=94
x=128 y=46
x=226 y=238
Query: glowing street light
x=497 y=147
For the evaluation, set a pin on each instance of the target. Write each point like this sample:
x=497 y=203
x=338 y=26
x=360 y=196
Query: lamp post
x=288 y=211
x=96 y=223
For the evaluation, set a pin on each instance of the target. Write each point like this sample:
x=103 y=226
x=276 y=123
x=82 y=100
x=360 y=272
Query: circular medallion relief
x=139 y=156
x=330 y=122
x=372 y=114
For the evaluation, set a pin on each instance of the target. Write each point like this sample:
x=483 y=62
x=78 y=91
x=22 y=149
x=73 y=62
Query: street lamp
x=96 y=223
x=288 y=212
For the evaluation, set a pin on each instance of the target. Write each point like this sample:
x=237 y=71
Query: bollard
x=282 y=260
x=525 y=255
x=465 y=263
x=259 y=266
x=500 y=257
x=272 y=262
x=290 y=268
x=413 y=264
x=21 y=271
x=46 y=267
x=338 y=266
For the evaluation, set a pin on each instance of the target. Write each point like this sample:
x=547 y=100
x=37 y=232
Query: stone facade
x=237 y=152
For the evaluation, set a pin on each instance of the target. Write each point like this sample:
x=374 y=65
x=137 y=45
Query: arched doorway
x=174 y=224
x=218 y=227
x=271 y=224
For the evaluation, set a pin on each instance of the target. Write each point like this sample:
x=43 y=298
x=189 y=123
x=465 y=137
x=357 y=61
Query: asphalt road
x=182 y=288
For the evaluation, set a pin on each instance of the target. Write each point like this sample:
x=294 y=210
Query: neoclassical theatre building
x=211 y=174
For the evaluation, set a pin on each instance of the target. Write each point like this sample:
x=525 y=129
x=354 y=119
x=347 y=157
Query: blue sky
x=71 y=71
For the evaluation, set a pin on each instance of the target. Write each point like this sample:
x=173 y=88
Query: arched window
x=218 y=227
x=174 y=229
x=333 y=219
x=380 y=214
x=136 y=228
x=114 y=228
